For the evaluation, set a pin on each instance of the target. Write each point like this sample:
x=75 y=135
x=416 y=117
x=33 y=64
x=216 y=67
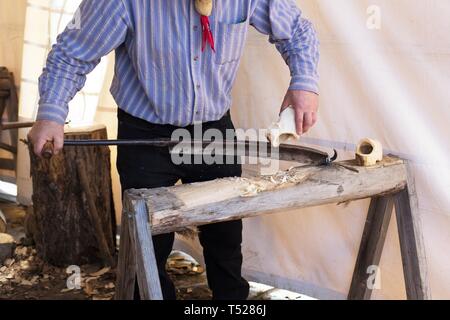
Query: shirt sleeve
x=102 y=27
x=294 y=37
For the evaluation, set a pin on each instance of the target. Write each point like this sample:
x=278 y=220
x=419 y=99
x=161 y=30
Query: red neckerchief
x=207 y=36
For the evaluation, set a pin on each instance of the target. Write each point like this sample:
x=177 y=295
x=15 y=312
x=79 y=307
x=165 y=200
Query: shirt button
x=197 y=86
x=195 y=28
x=196 y=58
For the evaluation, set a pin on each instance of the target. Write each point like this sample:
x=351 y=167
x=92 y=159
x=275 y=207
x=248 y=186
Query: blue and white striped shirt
x=161 y=75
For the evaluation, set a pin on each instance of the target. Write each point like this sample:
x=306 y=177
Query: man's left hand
x=306 y=106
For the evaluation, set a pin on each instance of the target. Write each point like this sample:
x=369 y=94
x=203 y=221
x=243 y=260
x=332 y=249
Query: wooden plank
x=147 y=269
x=16 y=125
x=11 y=108
x=127 y=265
x=7 y=164
x=411 y=241
x=3 y=97
x=8 y=148
x=13 y=113
x=175 y=208
x=371 y=247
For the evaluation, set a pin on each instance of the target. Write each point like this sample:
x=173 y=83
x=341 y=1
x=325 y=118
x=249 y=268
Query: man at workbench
x=176 y=62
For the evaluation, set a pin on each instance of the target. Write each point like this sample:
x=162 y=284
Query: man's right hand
x=44 y=131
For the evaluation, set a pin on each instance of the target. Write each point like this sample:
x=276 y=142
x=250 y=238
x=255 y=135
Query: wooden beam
x=175 y=208
x=3 y=103
x=411 y=241
x=372 y=243
x=5 y=84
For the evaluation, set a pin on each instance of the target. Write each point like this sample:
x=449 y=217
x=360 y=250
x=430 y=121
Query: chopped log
x=94 y=216
x=175 y=208
x=7 y=246
x=30 y=224
x=65 y=198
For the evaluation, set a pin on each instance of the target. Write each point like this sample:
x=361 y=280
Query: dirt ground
x=25 y=276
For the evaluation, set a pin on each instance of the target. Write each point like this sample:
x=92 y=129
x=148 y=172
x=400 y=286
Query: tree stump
x=73 y=204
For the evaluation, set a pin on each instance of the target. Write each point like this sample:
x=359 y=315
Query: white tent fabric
x=387 y=83
x=385 y=72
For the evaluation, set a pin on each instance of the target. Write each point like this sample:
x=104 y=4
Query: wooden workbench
x=162 y=210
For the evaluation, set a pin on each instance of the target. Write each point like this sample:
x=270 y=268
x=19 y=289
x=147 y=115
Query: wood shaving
x=21 y=251
x=26 y=283
x=89 y=287
x=110 y=285
x=105 y=297
x=9 y=262
x=24 y=265
x=181 y=263
x=279 y=180
x=101 y=272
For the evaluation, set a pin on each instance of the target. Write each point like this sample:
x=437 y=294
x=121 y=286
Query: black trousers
x=152 y=167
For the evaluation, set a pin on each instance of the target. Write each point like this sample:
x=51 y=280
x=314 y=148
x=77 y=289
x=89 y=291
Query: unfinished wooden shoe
x=369 y=152
x=204 y=7
x=283 y=130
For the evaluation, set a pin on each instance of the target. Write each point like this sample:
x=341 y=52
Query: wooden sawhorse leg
x=411 y=244
x=371 y=247
x=137 y=255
